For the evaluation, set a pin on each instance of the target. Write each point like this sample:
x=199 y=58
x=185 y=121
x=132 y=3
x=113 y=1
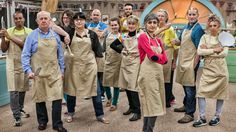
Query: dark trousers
x=134 y=103
x=149 y=123
x=42 y=115
x=100 y=79
x=97 y=103
x=168 y=90
x=17 y=103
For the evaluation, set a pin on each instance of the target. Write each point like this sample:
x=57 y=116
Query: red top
x=144 y=46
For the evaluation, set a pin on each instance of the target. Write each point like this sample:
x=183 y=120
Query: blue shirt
x=196 y=35
x=31 y=45
x=101 y=26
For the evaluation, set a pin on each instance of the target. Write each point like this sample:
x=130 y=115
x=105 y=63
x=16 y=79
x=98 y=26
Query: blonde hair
x=133 y=19
x=165 y=13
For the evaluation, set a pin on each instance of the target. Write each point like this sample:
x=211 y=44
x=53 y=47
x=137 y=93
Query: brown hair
x=70 y=14
x=213 y=18
x=117 y=20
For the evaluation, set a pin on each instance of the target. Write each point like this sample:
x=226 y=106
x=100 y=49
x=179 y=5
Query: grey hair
x=150 y=16
x=43 y=12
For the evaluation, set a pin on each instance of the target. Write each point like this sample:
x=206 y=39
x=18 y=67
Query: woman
x=68 y=26
x=112 y=65
x=130 y=68
x=81 y=78
x=214 y=79
x=171 y=49
x=151 y=79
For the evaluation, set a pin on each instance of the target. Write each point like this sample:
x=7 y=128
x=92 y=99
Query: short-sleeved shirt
x=101 y=25
x=13 y=31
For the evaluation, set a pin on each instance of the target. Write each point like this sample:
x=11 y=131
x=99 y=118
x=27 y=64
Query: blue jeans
x=190 y=100
x=97 y=103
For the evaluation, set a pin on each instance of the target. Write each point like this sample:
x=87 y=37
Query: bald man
x=43 y=61
x=100 y=28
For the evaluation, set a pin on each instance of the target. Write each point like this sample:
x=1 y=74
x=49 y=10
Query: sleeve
x=144 y=45
x=199 y=32
x=96 y=46
x=222 y=54
x=167 y=37
x=60 y=54
x=104 y=26
x=26 y=54
x=204 y=52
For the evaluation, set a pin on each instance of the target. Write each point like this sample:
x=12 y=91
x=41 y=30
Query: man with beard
x=128 y=11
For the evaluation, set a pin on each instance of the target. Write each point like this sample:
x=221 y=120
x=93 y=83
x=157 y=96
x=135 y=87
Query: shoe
x=186 y=119
x=17 y=122
x=113 y=108
x=200 y=122
x=129 y=111
x=103 y=98
x=69 y=118
x=135 y=117
x=181 y=109
x=24 y=114
x=215 y=121
x=60 y=129
x=108 y=104
x=42 y=127
x=103 y=120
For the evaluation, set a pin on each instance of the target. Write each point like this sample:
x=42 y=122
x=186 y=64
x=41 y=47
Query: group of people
x=78 y=59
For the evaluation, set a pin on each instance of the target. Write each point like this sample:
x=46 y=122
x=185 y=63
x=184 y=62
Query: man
x=42 y=60
x=100 y=29
x=12 y=43
x=128 y=10
x=188 y=63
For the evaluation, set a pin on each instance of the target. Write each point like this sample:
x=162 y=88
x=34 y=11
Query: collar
x=189 y=26
x=41 y=32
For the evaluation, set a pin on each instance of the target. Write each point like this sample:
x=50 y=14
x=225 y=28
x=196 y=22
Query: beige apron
x=151 y=85
x=214 y=79
x=100 y=61
x=17 y=80
x=185 y=68
x=130 y=64
x=112 y=64
x=47 y=86
x=167 y=68
x=81 y=77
